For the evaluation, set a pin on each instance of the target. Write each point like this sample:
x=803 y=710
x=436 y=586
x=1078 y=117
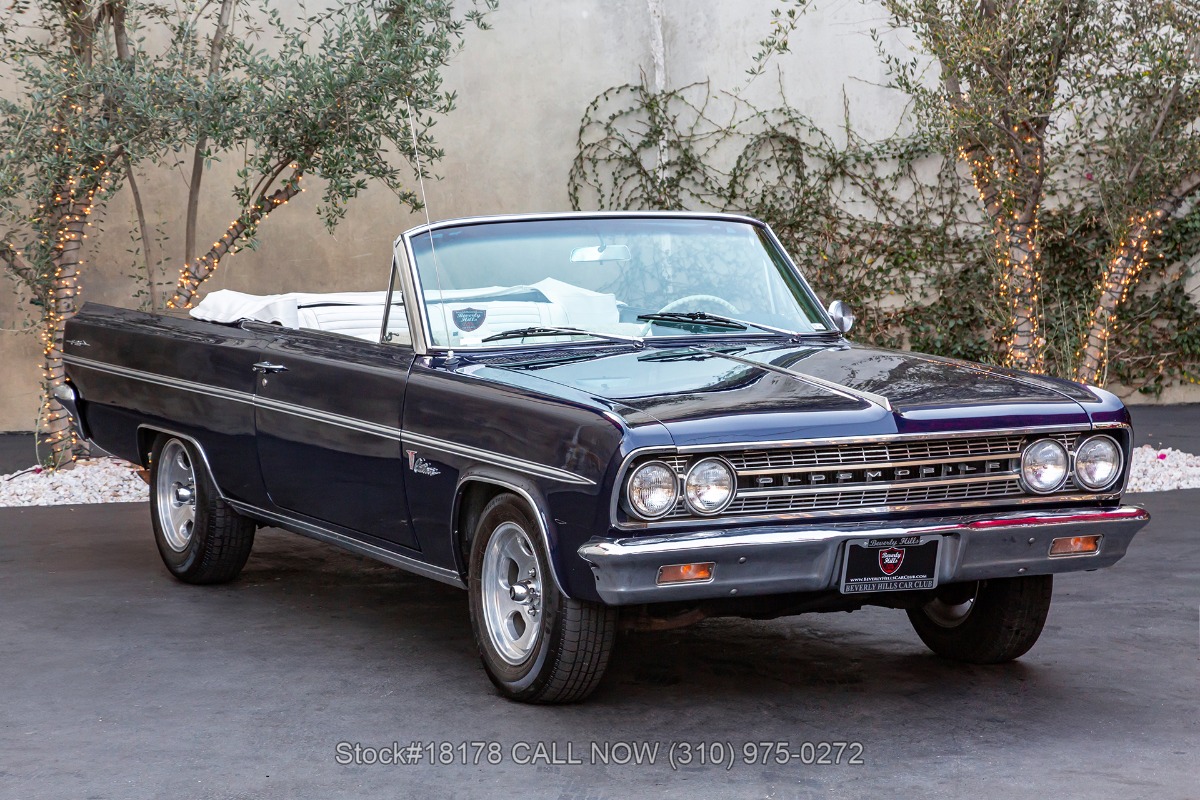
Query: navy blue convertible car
x=591 y=421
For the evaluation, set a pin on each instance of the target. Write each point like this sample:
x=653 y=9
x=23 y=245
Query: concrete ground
x=16 y=452
x=116 y=681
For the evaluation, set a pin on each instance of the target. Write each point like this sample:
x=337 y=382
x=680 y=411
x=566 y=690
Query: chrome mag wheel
x=511 y=593
x=954 y=607
x=949 y=615
x=176 y=495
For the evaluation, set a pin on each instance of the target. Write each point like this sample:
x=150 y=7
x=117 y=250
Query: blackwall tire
x=536 y=645
x=201 y=539
x=987 y=622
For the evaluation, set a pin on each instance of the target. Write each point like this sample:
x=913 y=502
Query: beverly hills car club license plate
x=891 y=564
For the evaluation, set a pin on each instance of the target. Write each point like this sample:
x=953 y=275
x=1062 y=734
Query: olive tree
x=1005 y=71
x=1072 y=119
x=1135 y=137
x=101 y=87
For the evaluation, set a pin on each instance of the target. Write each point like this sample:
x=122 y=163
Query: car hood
x=767 y=391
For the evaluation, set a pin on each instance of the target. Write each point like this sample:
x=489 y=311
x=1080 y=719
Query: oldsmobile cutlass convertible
x=588 y=420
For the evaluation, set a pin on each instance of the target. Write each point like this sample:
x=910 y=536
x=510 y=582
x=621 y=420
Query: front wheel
x=985 y=622
x=200 y=538
x=536 y=645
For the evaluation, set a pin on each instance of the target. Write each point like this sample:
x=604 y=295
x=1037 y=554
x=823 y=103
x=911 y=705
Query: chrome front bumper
x=784 y=559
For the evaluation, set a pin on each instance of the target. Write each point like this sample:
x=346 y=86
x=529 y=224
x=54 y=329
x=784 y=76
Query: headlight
x=1044 y=466
x=652 y=490
x=709 y=486
x=1097 y=463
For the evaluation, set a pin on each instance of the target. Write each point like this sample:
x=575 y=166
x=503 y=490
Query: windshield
x=507 y=283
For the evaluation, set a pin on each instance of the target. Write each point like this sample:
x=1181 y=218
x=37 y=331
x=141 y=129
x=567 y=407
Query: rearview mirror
x=611 y=252
x=843 y=318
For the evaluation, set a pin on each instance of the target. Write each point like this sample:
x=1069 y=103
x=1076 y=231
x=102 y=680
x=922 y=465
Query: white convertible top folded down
x=360 y=314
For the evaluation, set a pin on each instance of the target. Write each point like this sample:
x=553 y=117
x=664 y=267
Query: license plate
x=895 y=564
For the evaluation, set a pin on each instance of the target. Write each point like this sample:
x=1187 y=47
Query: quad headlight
x=652 y=490
x=1044 y=466
x=709 y=486
x=1098 y=463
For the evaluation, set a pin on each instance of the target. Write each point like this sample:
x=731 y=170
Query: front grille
x=872 y=475
x=867 y=498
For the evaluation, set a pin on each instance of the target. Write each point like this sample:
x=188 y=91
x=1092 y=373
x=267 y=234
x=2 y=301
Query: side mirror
x=843 y=318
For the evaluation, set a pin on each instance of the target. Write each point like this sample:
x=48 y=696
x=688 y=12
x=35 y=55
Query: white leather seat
x=360 y=321
x=454 y=321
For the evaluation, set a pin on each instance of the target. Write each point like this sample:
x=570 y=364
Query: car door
x=327 y=414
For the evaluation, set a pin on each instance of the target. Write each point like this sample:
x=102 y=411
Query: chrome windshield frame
x=404 y=273
x=423 y=338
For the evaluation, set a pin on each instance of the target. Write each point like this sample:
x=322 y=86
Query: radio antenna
x=432 y=251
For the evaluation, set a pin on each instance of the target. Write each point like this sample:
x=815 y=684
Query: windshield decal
x=469 y=319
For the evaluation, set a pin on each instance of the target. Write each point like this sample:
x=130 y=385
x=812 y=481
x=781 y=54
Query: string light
x=1020 y=278
x=73 y=213
x=1120 y=275
x=192 y=275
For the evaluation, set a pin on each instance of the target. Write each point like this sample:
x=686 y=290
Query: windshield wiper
x=718 y=321
x=521 y=333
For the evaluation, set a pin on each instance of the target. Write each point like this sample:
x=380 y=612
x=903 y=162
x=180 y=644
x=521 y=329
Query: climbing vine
x=886 y=226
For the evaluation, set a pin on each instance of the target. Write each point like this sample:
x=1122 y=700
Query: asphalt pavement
x=116 y=681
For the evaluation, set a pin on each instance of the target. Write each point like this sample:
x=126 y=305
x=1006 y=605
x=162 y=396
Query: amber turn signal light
x=1075 y=545
x=686 y=573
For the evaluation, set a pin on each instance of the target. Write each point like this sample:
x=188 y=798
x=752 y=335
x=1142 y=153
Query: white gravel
x=94 y=480
x=108 y=480
x=1155 y=470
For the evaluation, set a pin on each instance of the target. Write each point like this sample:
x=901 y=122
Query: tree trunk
x=224 y=20
x=149 y=250
x=56 y=424
x=1019 y=285
x=1124 y=266
x=199 y=270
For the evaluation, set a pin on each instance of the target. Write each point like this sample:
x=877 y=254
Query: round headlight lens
x=1044 y=466
x=653 y=490
x=709 y=486
x=1097 y=463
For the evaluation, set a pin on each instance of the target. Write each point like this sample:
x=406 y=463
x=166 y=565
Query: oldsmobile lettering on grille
x=878 y=474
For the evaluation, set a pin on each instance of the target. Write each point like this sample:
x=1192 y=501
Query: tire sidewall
x=1000 y=607
x=524 y=678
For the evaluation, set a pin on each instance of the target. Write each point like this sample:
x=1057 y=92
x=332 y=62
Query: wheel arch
x=479 y=486
x=148 y=433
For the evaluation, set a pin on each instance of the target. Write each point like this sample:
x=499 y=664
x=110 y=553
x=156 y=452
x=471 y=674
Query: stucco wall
x=522 y=89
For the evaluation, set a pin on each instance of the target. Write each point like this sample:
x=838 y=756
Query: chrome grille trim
x=881 y=464
x=997 y=486
x=881 y=454
x=1046 y=430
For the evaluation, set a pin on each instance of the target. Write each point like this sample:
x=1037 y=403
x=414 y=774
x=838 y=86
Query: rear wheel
x=536 y=645
x=985 y=622
x=200 y=538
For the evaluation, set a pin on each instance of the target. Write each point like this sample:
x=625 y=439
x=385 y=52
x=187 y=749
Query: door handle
x=266 y=366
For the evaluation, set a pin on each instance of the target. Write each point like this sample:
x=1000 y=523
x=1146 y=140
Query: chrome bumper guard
x=68 y=398
x=784 y=559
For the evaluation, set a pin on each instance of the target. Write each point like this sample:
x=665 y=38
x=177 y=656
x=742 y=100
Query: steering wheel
x=689 y=302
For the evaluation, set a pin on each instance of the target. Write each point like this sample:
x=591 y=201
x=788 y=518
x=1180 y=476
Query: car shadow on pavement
x=850 y=666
